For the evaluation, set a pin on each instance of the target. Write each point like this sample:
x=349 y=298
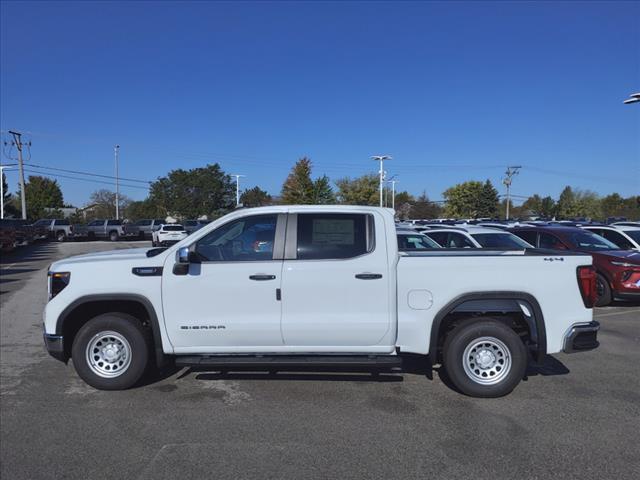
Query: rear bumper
x=55 y=346
x=581 y=337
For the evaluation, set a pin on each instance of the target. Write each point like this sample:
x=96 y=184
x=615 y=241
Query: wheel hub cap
x=108 y=354
x=486 y=360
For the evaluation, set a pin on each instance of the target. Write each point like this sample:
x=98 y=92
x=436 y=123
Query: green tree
x=471 y=200
x=146 y=208
x=547 y=207
x=566 y=206
x=193 y=193
x=363 y=190
x=538 y=206
x=423 y=208
x=612 y=205
x=300 y=189
x=43 y=196
x=255 y=197
x=489 y=200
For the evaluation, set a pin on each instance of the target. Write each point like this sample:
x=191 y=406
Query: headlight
x=57 y=282
x=624 y=264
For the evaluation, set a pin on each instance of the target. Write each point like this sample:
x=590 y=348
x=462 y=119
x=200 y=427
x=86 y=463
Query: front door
x=228 y=301
x=336 y=284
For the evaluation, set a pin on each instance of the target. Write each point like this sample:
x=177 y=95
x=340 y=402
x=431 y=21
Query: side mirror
x=181 y=267
x=183 y=256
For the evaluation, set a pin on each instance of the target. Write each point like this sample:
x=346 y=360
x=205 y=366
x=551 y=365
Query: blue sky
x=454 y=91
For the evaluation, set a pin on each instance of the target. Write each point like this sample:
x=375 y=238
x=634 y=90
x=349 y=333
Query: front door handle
x=368 y=276
x=261 y=277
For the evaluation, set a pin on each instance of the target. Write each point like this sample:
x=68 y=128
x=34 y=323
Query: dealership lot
x=575 y=417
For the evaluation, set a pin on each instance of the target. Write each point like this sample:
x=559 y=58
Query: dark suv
x=618 y=271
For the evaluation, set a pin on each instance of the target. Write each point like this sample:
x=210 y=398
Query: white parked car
x=168 y=234
x=323 y=286
x=476 y=237
x=625 y=237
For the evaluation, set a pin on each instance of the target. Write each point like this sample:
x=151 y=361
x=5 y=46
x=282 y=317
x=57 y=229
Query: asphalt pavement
x=576 y=417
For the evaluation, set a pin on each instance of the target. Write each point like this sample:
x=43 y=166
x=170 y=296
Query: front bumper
x=55 y=346
x=581 y=337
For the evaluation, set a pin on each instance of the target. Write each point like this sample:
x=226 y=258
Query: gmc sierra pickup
x=321 y=286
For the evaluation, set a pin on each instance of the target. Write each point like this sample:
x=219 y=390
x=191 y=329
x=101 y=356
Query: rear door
x=336 y=285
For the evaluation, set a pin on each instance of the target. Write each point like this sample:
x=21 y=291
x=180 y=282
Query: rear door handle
x=368 y=276
x=260 y=277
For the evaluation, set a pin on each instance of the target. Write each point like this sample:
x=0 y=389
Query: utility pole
x=510 y=173
x=238 y=189
x=116 y=152
x=2 y=168
x=381 y=159
x=17 y=141
x=393 y=182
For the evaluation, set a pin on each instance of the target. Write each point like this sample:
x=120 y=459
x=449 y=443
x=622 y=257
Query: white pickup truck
x=319 y=286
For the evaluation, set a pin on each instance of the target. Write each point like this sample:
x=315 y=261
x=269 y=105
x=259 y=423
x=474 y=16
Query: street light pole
x=393 y=182
x=238 y=188
x=381 y=159
x=116 y=151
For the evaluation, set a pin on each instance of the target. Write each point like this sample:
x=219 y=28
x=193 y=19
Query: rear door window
x=333 y=235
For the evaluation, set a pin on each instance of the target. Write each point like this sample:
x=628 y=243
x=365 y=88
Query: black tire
x=61 y=236
x=139 y=343
x=113 y=236
x=603 y=290
x=469 y=333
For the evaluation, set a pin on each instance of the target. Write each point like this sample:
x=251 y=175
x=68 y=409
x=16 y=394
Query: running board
x=284 y=362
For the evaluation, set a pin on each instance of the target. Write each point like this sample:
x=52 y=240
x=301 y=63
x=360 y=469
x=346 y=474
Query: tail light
x=587 y=284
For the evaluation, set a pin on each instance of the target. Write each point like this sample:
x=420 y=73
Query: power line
x=87 y=173
x=58 y=175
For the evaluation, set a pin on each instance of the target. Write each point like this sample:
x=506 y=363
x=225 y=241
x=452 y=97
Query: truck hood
x=125 y=254
x=631 y=256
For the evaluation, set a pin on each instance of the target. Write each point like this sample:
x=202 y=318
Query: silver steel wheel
x=108 y=354
x=486 y=360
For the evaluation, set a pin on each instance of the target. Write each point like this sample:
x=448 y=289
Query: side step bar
x=284 y=362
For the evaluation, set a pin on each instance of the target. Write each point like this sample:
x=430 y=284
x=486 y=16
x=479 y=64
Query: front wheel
x=484 y=358
x=61 y=236
x=111 y=351
x=113 y=236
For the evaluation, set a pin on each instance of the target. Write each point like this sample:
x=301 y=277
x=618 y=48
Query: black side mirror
x=181 y=267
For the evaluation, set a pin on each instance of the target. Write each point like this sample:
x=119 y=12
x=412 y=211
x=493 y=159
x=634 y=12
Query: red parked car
x=618 y=271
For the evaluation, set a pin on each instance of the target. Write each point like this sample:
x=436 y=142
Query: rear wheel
x=603 y=291
x=111 y=351
x=484 y=358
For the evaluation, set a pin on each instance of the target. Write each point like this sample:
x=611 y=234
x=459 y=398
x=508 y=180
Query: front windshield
x=410 y=242
x=591 y=242
x=635 y=234
x=500 y=240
